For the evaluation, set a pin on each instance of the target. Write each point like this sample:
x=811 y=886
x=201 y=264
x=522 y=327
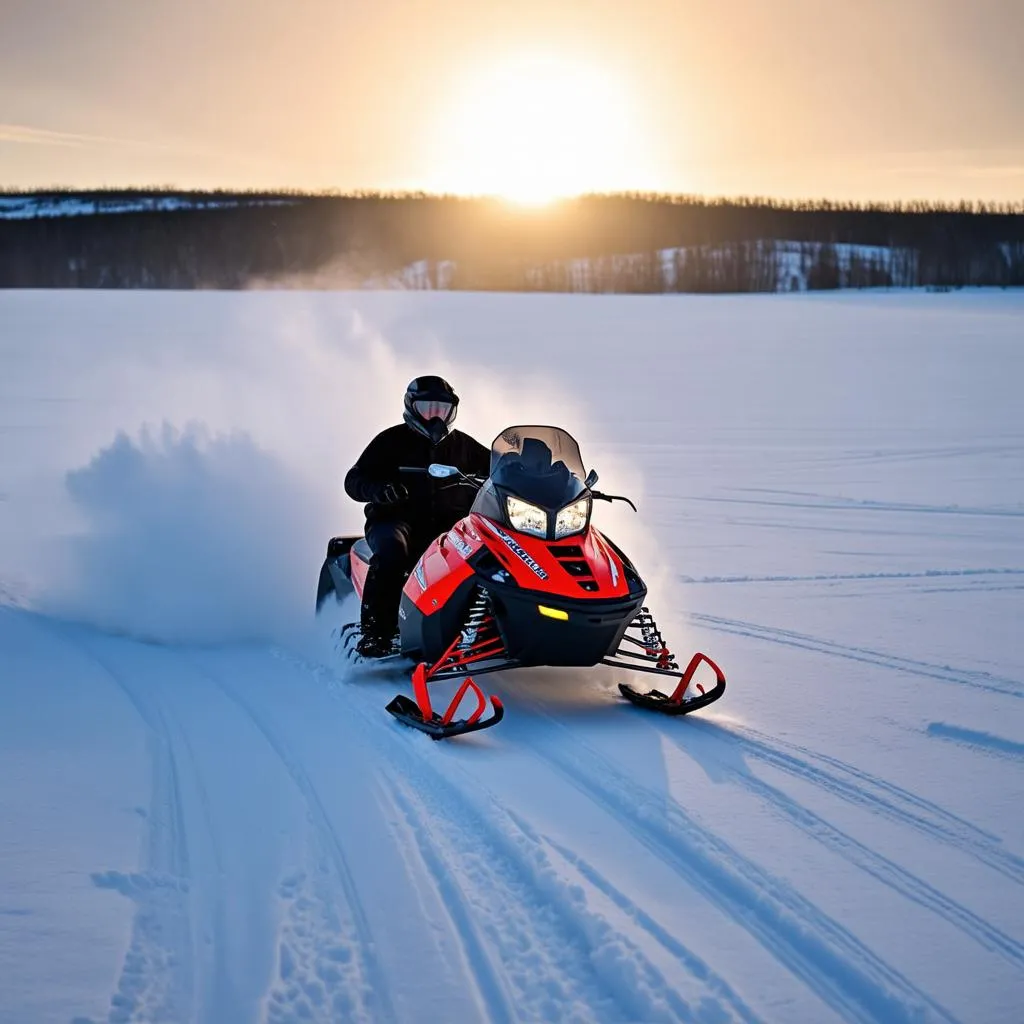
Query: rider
x=405 y=512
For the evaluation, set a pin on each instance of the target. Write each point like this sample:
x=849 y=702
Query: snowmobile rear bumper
x=336 y=572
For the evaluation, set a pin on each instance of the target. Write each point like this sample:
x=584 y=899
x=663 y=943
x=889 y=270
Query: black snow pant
x=396 y=547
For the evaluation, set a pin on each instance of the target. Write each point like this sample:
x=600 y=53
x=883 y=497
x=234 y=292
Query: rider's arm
x=373 y=469
x=477 y=459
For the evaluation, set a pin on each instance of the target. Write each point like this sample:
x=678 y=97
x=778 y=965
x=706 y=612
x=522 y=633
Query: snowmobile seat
x=339 y=546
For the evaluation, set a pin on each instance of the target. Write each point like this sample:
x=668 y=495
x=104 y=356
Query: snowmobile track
x=836 y=965
x=862 y=577
x=492 y=992
x=875 y=794
x=158 y=976
x=363 y=942
x=497 y=857
x=499 y=852
x=886 y=871
x=945 y=673
x=690 y=961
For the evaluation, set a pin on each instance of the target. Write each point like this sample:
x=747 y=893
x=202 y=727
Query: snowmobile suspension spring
x=653 y=640
x=476 y=619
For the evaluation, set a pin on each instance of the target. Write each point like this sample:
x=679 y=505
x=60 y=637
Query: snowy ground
x=205 y=817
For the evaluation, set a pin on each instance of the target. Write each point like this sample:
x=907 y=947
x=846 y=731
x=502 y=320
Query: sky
x=879 y=99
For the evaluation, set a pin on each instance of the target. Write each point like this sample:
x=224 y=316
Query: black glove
x=390 y=494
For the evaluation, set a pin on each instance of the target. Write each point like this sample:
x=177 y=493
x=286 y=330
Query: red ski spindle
x=419 y=689
x=481 y=702
x=677 y=694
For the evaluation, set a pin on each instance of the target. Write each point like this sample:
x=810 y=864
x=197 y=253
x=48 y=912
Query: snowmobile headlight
x=573 y=518
x=526 y=518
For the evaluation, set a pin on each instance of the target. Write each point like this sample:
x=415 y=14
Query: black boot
x=379 y=614
x=372 y=647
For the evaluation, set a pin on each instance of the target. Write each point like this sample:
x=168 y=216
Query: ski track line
x=494 y=839
x=839 y=505
x=379 y=1006
x=220 y=1006
x=917 y=813
x=493 y=861
x=494 y=1000
x=856 y=577
x=223 y=999
x=487 y=858
x=880 y=867
x=977 y=589
x=689 y=960
x=906 y=455
x=985 y=742
x=948 y=674
x=581 y=948
x=157 y=980
x=829 y=958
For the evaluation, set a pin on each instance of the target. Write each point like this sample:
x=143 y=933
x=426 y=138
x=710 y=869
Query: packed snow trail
x=206 y=815
x=304 y=858
x=293 y=832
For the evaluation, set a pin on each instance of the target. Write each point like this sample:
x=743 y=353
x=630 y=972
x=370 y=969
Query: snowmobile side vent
x=573 y=561
x=561 y=551
x=576 y=568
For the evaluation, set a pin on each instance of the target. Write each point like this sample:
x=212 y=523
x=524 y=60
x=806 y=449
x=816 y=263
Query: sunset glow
x=530 y=100
x=534 y=129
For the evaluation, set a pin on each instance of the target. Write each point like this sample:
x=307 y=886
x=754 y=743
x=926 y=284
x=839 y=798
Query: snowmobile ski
x=419 y=714
x=677 y=703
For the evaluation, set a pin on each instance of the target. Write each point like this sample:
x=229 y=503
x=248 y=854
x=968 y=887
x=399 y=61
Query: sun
x=537 y=128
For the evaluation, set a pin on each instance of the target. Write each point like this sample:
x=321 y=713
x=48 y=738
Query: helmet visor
x=428 y=409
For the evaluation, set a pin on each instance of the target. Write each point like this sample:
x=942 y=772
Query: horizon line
x=648 y=195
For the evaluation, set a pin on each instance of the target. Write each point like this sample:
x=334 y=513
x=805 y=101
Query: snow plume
x=191 y=536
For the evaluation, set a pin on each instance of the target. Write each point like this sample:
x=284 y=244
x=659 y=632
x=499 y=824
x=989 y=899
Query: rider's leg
x=390 y=543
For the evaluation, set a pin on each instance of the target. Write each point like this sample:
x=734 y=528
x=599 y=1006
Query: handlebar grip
x=411 y=469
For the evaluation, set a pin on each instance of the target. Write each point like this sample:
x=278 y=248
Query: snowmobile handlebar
x=443 y=472
x=462 y=479
x=599 y=496
x=476 y=481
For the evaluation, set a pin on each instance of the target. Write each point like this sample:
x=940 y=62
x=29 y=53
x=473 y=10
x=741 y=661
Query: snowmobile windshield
x=541 y=465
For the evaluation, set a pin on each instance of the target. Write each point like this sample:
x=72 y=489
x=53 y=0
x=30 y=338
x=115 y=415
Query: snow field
x=205 y=816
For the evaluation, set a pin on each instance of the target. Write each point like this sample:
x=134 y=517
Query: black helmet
x=430 y=407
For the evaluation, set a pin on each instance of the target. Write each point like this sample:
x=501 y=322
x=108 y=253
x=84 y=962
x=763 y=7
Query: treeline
x=615 y=243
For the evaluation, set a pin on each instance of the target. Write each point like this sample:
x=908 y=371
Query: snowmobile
x=523 y=580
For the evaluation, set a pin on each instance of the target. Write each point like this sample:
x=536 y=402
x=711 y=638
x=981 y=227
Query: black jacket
x=432 y=504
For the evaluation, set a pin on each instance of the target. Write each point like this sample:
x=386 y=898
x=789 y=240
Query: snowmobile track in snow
x=375 y=987
x=844 y=973
x=885 y=870
x=874 y=794
x=496 y=854
x=157 y=979
x=861 y=577
x=978 y=680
